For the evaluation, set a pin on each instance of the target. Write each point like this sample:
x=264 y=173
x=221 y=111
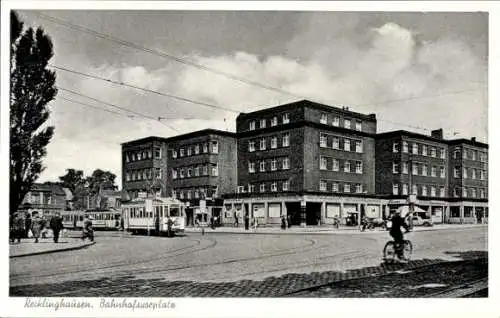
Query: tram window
x=174 y=212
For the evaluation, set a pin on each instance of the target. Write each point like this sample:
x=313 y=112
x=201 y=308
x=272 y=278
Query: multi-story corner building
x=468 y=180
x=144 y=166
x=202 y=166
x=308 y=161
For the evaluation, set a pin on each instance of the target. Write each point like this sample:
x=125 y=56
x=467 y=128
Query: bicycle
x=403 y=253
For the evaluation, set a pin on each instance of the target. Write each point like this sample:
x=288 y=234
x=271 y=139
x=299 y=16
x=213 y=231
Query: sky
x=416 y=71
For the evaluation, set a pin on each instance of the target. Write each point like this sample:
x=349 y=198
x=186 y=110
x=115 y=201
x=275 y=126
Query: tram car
x=151 y=215
x=108 y=219
x=73 y=219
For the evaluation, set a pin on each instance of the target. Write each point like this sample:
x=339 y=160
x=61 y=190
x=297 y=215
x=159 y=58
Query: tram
x=108 y=219
x=152 y=215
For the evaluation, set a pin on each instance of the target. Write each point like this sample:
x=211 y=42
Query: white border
x=13 y=307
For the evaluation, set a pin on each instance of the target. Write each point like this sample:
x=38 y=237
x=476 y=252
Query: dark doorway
x=313 y=213
x=293 y=210
x=189 y=217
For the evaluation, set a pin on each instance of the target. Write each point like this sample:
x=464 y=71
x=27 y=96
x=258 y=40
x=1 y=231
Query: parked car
x=418 y=221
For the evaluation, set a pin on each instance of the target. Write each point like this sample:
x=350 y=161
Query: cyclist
x=396 y=233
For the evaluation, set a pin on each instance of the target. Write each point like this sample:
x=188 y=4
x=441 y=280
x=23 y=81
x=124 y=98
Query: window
x=424 y=150
x=322 y=140
x=482 y=193
x=482 y=157
x=433 y=152
x=395 y=168
x=174 y=174
x=359 y=167
x=474 y=157
x=405 y=167
x=286 y=118
x=262 y=187
x=286 y=185
x=405 y=189
x=197 y=171
x=481 y=174
x=251 y=188
x=335 y=165
x=336 y=143
x=405 y=146
x=322 y=163
x=336 y=121
x=174 y=153
x=433 y=171
x=262 y=123
x=215 y=170
x=251 y=146
x=181 y=173
x=473 y=174
x=464 y=192
x=158 y=173
x=456 y=192
x=359 y=146
x=464 y=154
x=415 y=169
x=347 y=123
x=205 y=170
x=157 y=153
x=395 y=189
x=174 y=194
x=215 y=147
x=424 y=170
x=456 y=172
x=286 y=163
x=414 y=149
x=205 y=147
x=358 y=125
x=127 y=176
x=359 y=188
x=189 y=194
x=251 y=167
x=347 y=187
x=262 y=166
x=324 y=119
x=262 y=144
x=189 y=172
x=181 y=152
x=347 y=166
x=433 y=191
x=127 y=159
x=189 y=151
x=252 y=125
x=274 y=187
x=347 y=145
x=465 y=173
x=197 y=149
x=274 y=121
x=241 y=189
x=441 y=192
x=139 y=156
x=473 y=192
x=181 y=195
x=273 y=165
x=286 y=140
x=443 y=153
x=395 y=147
x=335 y=187
x=274 y=142
x=424 y=190
x=196 y=193
x=414 y=189
x=456 y=154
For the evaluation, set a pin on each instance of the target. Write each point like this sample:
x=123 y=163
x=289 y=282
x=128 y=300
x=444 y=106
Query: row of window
x=470 y=192
x=334 y=186
x=142 y=174
x=469 y=173
x=419 y=149
x=285 y=119
x=143 y=154
x=273 y=142
x=195 y=171
x=139 y=213
x=333 y=164
x=269 y=165
x=275 y=186
x=423 y=190
x=334 y=142
x=196 y=149
x=195 y=193
x=418 y=169
x=469 y=154
x=335 y=121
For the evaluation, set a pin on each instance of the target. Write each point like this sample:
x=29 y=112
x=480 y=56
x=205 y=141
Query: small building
x=46 y=199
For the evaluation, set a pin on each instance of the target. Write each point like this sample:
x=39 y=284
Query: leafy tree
x=72 y=179
x=32 y=87
x=101 y=180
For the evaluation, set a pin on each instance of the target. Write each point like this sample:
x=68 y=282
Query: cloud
x=365 y=69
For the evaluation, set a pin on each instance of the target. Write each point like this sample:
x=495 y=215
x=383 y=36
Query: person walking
x=27 y=224
x=56 y=225
x=17 y=228
x=283 y=222
x=87 y=230
x=247 y=221
x=289 y=219
x=37 y=226
x=236 y=221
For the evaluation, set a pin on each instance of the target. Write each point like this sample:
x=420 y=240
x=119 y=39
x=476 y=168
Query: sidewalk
x=321 y=229
x=28 y=247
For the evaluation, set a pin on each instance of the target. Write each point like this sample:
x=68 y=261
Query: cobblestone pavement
x=227 y=265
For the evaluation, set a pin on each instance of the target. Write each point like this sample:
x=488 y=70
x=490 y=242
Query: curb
x=54 y=251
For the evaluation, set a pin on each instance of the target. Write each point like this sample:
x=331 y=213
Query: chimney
x=438 y=133
x=473 y=139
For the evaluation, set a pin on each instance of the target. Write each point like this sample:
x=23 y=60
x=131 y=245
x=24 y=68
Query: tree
x=32 y=87
x=72 y=179
x=101 y=180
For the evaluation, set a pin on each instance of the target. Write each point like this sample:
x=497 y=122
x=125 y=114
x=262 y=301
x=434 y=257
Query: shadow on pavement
x=386 y=280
